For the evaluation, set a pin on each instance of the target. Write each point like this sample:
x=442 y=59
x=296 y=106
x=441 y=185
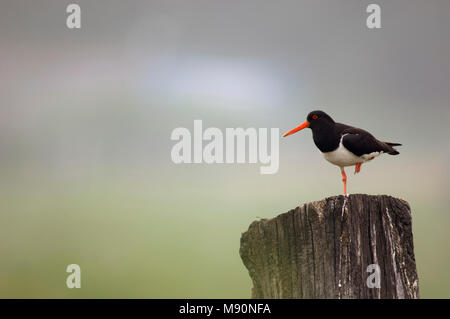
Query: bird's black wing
x=361 y=142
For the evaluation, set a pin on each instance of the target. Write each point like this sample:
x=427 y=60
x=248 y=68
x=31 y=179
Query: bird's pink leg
x=358 y=168
x=344 y=179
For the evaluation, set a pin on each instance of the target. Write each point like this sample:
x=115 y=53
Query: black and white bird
x=343 y=145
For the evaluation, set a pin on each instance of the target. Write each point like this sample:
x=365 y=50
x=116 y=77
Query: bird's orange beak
x=298 y=128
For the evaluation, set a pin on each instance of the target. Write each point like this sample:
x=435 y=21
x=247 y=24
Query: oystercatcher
x=343 y=145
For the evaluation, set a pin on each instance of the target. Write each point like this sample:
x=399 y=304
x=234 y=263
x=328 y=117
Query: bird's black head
x=314 y=120
x=318 y=119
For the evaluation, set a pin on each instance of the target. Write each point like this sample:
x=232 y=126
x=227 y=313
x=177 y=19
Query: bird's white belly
x=343 y=157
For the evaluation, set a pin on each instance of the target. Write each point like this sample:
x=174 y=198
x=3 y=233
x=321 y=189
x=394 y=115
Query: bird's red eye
x=315 y=117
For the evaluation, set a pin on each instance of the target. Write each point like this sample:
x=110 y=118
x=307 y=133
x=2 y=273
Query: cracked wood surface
x=322 y=250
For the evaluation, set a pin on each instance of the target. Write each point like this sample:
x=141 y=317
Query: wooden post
x=324 y=249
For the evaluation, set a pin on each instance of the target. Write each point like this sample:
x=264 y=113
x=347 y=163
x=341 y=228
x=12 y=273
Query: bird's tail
x=392 y=150
x=393 y=144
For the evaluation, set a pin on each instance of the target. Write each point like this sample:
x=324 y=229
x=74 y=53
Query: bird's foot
x=358 y=168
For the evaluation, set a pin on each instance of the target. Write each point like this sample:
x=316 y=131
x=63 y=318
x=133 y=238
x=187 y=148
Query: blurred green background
x=86 y=116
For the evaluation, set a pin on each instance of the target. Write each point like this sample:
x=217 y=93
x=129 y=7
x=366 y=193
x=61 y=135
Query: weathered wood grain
x=322 y=250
